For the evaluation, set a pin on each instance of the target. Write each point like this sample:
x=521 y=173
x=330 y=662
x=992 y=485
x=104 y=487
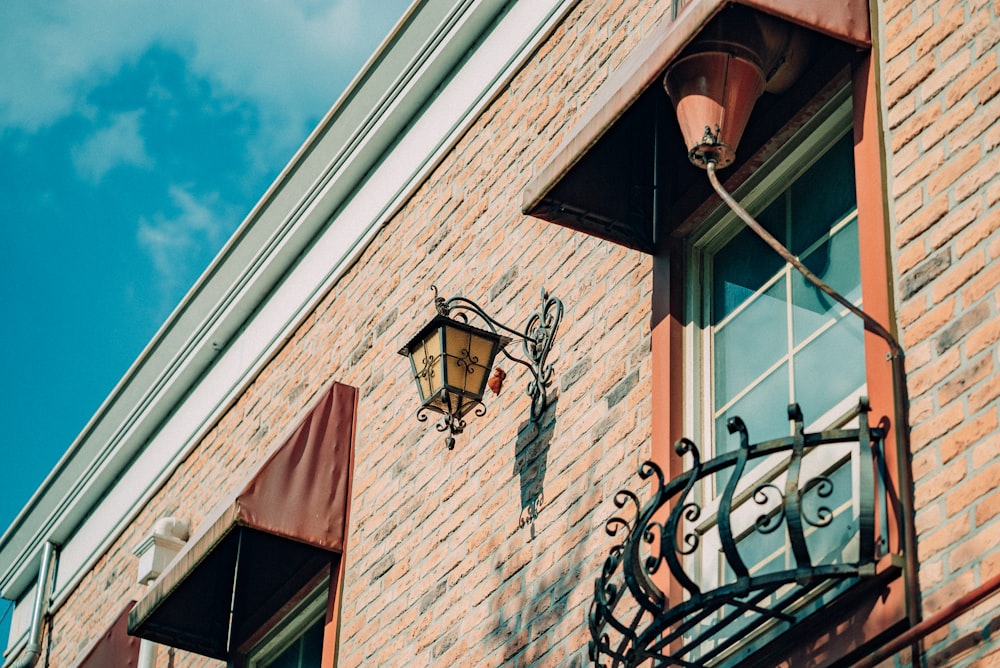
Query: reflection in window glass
x=304 y=652
x=776 y=339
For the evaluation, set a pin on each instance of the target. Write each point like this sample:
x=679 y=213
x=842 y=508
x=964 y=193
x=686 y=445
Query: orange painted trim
x=875 y=270
x=331 y=628
x=668 y=376
x=668 y=360
x=334 y=604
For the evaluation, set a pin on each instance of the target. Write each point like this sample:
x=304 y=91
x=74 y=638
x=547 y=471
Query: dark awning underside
x=280 y=534
x=624 y=164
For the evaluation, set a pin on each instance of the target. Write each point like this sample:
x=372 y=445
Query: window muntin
x=764 y=337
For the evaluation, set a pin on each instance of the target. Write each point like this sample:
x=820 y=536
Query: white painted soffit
x=374 y=148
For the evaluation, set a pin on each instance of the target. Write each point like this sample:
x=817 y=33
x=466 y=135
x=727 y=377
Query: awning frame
x=549 y=195
x=286 y=524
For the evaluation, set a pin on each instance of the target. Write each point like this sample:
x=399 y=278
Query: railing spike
x=633 y=623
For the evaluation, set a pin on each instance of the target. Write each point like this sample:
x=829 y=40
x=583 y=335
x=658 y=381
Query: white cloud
x=290 y=58
x=120 y=143
x=181 y=244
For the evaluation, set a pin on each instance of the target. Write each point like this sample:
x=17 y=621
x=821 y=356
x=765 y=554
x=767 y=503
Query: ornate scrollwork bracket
x=632 y=620
x=536 y=340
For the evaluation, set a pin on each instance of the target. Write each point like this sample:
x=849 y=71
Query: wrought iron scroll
x=632 y=619
x=536 y=340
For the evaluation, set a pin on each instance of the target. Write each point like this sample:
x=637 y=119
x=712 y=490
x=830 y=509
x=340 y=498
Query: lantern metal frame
x=536 y=342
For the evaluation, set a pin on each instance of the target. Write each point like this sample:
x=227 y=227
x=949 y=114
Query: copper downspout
x=872 y=324
x=931 y=624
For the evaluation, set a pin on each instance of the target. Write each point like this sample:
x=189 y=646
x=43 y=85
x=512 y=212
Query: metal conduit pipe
x=899 y=396
x=40 y=609
x=933 y=623
x=751 y=222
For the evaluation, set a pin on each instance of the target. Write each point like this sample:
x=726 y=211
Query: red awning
x=600 y=178
x=115 y=648
x=280 y=533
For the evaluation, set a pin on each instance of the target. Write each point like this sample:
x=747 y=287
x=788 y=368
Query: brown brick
x=953 y=170
x=988 y=89
x=919 y=223
x=933 y=373
x=985 y=394
x=964 y=324
x=988 y=506
x=926 y=326
x=941 y=28
x=938 y=426
x=944 y=75
x=958 y=275
x=951 y=589
x=967 y=82
x=971 y=550
x=967 y=376
x=926 y=272
x=943 y=536
x=955 y=444
x=906 y=32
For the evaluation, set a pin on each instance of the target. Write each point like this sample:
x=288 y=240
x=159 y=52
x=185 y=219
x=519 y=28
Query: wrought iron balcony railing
x=726 y=594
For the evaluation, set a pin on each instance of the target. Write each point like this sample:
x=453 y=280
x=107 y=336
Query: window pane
x=836 y=262
x=751 y=342
x=740 y=269
x=823 y=195
x=830 y=367
x=762 y=410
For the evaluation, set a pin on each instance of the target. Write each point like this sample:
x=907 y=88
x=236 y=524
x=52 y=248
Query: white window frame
x=299 y=619
x=819 y=134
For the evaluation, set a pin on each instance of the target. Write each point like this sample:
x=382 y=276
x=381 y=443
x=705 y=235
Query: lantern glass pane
x=468 y=355
x=428 y=363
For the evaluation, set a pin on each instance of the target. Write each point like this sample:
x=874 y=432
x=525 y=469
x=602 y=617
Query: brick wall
x=486 y=554
x=942 y=78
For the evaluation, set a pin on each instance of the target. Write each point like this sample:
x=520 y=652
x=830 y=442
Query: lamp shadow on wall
x=531 y=462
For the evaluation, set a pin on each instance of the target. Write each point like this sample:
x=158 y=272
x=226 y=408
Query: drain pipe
x=43 y=591
x=751 y=222
x=899 y=396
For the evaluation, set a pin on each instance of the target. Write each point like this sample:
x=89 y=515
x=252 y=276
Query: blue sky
x=134 y=138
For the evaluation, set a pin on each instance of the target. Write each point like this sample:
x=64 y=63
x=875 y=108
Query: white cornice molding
x=374 y=148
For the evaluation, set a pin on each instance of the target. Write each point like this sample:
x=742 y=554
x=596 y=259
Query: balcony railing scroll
x=634 y=622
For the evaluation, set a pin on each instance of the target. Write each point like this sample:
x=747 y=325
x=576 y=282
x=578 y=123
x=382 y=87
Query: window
x=762 y=337
x=298 y=641
x=766 y=336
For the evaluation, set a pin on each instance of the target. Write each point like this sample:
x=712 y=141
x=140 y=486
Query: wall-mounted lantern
x=451 y=359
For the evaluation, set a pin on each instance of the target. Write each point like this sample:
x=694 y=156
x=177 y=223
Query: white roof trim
x=211 y=347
